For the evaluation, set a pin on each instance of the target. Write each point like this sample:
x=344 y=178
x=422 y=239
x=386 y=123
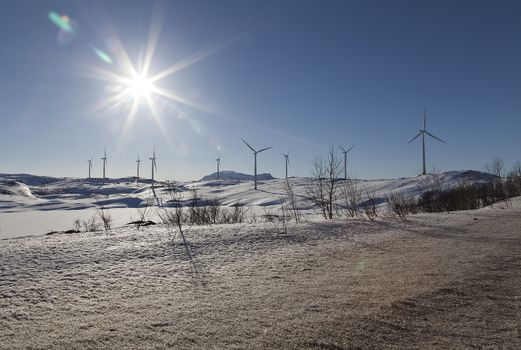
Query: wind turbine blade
x=155 y=166
x=415 y=137
x=342 y=148
x=264 y=149
x=248 y=145
x=424 y=119
x=437 y=138
x=350 y=149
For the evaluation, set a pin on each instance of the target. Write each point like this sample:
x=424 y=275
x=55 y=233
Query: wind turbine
x=137 y=161
x=345 y=159
x=255 y=158
x=154 y=165
x=104 y=159
x=90 y=165
x=422 y=133
x=286 y=156
x=218 y=160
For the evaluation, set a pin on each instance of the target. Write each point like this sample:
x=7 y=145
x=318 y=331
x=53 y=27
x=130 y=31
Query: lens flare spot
x=102 y=55
x=62 y=22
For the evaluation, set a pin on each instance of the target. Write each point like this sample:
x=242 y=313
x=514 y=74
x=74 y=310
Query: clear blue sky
x=297 y=75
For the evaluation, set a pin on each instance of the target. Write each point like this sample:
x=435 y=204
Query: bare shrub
x=173 y=216
x=239 y=213
x=105 y=218
x=369 y=203
x=76 y=226
x=285 y=216
x=268 y=215
x=399 y=205
x=464 y=196
x=236 y=213
x=431 y=187
x=514 y=181
x=214 y=207
x=499 y=191
x=91 y=225
x=350 y=197
x=291 y=201
x=196 y=212
x=322 y=189
x=143 y=213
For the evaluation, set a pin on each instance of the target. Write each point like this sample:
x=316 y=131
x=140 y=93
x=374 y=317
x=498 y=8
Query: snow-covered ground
x=436 y=281
x=34 y=205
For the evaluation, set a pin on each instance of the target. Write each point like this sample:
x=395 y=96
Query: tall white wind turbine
x=286 y=161
x=137 y=166
x=104 y=159
x=218 y=160
x=255 y=158
x=154 y=165
x=345 y=159
x=90 y=165
x=422 y=133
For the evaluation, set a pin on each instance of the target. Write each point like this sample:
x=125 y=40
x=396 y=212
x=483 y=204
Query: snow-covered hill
x=54 y=203
x=232 y=175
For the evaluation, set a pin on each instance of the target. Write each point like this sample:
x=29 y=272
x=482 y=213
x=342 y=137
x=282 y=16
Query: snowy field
x=35 y=205
x=439 y=281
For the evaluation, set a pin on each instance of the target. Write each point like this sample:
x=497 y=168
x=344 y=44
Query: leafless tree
x=322 y=190
x=514 y=180
x=350 y=197
x=496 y=167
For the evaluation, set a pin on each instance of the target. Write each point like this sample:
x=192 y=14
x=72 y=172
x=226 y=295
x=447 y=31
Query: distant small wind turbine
x=255 y=158
x=218 y=160
x=154 y=165
x=137 y=161
x=286 y=157
x=345 y=159
x=422 y=133
x=90 y=165
x=104 y=159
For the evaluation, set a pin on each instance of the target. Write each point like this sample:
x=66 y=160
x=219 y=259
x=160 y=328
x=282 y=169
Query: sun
x=140 y=86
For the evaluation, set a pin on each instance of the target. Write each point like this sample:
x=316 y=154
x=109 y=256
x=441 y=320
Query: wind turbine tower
x=255 y=158
x=90 y=165
x=286 y=157
x=137 y=162
x=345 y=159
x=104 y=159
x=422 y=133
x=218 y=160
x=154 y=165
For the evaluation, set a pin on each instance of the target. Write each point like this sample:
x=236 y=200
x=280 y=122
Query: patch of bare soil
x=447 y=281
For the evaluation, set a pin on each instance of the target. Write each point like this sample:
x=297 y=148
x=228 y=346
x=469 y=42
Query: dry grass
x=438 y=281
